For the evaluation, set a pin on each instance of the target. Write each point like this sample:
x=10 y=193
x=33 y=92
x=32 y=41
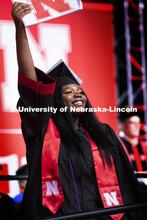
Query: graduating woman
x=76 y=163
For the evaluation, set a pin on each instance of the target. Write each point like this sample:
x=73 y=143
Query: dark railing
x=13 y=177
x=85 y=215
x=23 y=177
x=101 y=212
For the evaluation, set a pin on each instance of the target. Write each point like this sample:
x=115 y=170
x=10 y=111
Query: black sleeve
x=34 y=105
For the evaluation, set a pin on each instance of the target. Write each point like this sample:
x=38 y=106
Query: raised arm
x=24 y=57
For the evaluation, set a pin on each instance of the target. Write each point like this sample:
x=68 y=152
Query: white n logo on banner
x=52 y=188
x=54 y=44
x=12 y=163
x=111 y=198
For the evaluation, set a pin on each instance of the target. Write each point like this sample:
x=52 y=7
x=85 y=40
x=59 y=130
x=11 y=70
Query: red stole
x=52 y=193
x=136 y=156
x=107 y=181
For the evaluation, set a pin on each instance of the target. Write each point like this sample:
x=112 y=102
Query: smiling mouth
x=78 y=102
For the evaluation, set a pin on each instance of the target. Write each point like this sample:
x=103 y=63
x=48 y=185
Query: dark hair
x=71 y=138
x=23 y=170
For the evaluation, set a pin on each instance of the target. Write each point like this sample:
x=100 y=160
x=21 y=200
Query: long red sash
x=52 y=193
x=107 y=181
x=137 y=158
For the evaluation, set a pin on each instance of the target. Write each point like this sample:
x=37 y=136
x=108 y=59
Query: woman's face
x=74 y=97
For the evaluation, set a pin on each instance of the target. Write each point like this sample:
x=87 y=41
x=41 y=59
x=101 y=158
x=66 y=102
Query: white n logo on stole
x=52 y=188
x=111 y=198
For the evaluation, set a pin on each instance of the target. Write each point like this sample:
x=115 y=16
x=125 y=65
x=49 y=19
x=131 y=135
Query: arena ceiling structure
x=130 y=27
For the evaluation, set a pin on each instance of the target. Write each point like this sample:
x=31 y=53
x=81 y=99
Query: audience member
x=22 y=183
x=8 y=208
x=136 y=149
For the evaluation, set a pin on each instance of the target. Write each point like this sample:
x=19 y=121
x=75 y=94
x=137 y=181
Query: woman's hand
x=24 y=57
x=19 y=10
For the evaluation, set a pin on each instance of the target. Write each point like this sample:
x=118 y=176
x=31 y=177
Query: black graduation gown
x=130 y=151
x=34 y=126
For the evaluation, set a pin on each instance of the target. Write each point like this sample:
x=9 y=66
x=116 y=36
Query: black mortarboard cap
x=125 y=115
x=63 y=74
